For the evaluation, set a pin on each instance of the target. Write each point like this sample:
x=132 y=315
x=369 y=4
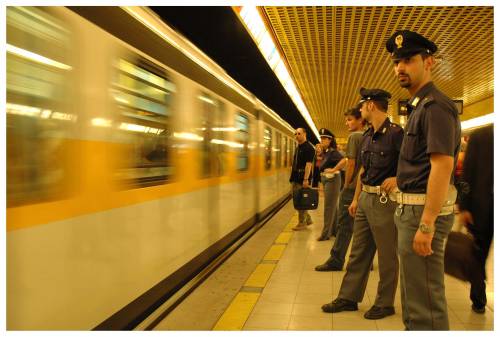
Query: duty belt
x=419 y=199
x=378 y=191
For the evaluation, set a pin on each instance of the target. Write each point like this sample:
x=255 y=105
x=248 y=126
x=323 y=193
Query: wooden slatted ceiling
x=333 y=51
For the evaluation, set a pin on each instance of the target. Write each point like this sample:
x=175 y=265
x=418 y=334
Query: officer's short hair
x=382 y=105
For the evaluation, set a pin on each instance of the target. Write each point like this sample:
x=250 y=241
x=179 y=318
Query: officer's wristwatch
x=424 y=228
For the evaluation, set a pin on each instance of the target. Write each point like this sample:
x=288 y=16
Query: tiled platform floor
x=293 y=295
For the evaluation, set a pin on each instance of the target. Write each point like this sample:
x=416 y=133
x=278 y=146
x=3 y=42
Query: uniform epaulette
x=428 y=100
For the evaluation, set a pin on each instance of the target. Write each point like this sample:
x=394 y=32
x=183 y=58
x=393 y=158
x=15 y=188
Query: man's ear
x=430 y=62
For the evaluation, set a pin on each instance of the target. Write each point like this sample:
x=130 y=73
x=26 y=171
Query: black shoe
x=379 y=312
x=322 y=238
x=478 y=310
x=327 y=267
x=339 y=305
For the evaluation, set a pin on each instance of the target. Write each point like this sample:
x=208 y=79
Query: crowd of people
x=394 y=192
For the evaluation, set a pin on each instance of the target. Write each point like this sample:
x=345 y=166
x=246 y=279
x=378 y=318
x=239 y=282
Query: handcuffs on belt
x=383 y=195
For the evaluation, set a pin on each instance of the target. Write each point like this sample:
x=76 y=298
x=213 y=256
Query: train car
x=133 y=160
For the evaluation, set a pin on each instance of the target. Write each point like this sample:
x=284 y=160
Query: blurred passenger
x=460 y=163
x=355 y=124
x=330 y=178
x=301 y=172
x=425 y=176
x=317 y=163
x=374 y=228
x=476 y=206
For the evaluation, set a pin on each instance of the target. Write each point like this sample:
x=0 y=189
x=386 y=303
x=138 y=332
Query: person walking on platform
x=301 y=172
x=374 y=228
x=329 y=169
x=427 y=159
x=476 y=205
x=355 y=124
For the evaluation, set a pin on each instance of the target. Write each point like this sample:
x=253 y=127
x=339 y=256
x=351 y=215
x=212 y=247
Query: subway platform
x=270 y=284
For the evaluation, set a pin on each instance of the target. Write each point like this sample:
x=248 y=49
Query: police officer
x=301 y=172
x=374 y=227
x=355 y=123
x=330 y=178
x=426 y=163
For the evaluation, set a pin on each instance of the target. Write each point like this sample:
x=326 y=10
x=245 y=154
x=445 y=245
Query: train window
x=292 y=151
x=268 y=148
x=218 y=138
x=278 y=150
x=285 y=151
x=38 y=104
x=242 y=137
x=143 y=94
x=212 y=119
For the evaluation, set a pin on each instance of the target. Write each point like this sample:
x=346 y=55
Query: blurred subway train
x=132 y=161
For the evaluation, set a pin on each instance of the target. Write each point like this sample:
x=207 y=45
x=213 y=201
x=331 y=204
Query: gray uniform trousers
x=331 y=188
x=374 y=230
x=422 y=278
x=304 y=217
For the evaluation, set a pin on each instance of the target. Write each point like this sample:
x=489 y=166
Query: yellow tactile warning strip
x=238 y=311
x=284 y=237
x=274 y=253
x=260 y=275
x=241 y=307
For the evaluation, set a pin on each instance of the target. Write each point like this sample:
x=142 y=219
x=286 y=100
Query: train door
x=213 y=163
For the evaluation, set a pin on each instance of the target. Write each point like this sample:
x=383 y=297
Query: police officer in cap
x=374 y=228
x=330 y=167
x=428 y=157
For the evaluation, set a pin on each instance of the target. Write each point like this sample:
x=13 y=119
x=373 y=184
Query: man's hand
x=305 y=184
x=352 y=208
x=422 y=243
x=389 y=185
x=466 y=218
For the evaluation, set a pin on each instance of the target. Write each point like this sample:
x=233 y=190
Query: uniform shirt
x=304 y=153
x=331 y=158
x=380 y=152
x=433 y=127
x=353 y=151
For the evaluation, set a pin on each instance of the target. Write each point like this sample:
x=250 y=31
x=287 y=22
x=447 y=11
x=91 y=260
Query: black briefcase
x=460 y=259
x=305 y=199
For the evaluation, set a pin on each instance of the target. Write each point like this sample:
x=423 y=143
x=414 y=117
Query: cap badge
x=399 y=41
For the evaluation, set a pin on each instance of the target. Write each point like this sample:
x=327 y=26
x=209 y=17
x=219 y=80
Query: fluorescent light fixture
x=228 y=143
x=478 y=121
x=101 y=122
x=36 y=58
x=228 y=129
x=31 y=111
x=188 y=136
x=157 y=26
x=139 y=128
x=206 y=99
x=250 y=16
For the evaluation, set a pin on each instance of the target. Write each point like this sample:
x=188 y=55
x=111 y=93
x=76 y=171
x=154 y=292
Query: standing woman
x=330 y=167
x=317 y=163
